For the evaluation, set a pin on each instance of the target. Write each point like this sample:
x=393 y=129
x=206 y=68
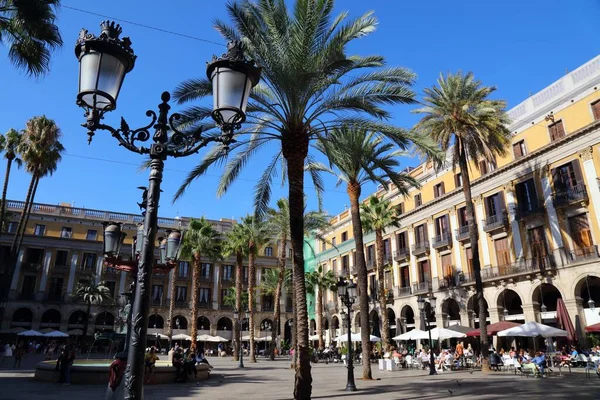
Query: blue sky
x=518 y=46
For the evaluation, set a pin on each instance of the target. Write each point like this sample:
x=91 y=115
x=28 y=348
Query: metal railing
x=447 y=281
x=530 y=210
x=420 y=248
x=530 y=265
x=421 y=287
x=444 y=239
x=205 y=278
x=584 y=253
x=400 y=291
x=494 y=222
x=181 y=303
x=387 y=259
x=462 y=233
x=564 y=197
x=205 y=304
x=30 y=266
x=60 y=267
x=401 y=254
x=157 y=302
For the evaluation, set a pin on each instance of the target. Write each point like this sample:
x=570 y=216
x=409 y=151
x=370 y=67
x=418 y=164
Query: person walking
x=19 y=353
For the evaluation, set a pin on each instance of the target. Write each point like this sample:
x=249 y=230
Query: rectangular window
x=557 y=131
x=370 y=253
x=447 y=266
x=344 y=236
x=334 y=266
x=28 y=288
x=420 y=234
x=333 y=241
x=526 y=195
x=111 y=285
x=596 y=110
x=56 y=288
x=581 y=235
x=438 y=190
x=483 y=167
x=269 y=251
x=502 y=253
x=323 y=245
x=157 y=293
x=400 y=209
x=88 y=261
x=462 y=216
x=345 y=265
x=441 y=225
x=224 y=294
x=184 y=268
x=204 y=296
x=494 y=205
x=519 y=149
x=92 y=234
x=181 y=294
x=290 y=253
x=205 y=271
x=469 y=258
x=404 y=277
x=12 y=227
x=62 y=258
x=567 y=176
x=424 y=271
x=386 y=248
x=227 y=272
x=244 y=274
x=40 y=230
x=389 y=280
x=402 y=240
x=66 y=232
x=458 y=180
x=418 y=200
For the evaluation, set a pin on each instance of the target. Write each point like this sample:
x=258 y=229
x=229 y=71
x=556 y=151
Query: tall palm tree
x=459 y=114
x=172 y=303
x=318 y=283
x=310 y=85
x=357 y=157
x=255 y=237
x=200 y=240
x=28 y=28
x=9 y=143
x=376 y=215
x=235 y=244
x=92 y=294
x=273 y=284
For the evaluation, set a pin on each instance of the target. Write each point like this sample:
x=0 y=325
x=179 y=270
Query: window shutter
x=517 y=150
x=596 y=110
x=556 y=181
x=486 y=204
x=443 y=189
x=501 y=202
x=560 y=129
x=577 y=171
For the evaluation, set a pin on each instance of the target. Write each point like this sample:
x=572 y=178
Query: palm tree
x=255 y=236
x=200 y=240
x=310 y=85
x=92 y=294
x=235 y=244
x=318 y=282
x=29 y=29
x=9 y=143
x=231 y=298
x=274 y=283
x=376 y=215
x=459 y=114
x=359 y=157
x=172 y=303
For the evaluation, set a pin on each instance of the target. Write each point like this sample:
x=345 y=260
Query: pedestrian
x=8 y=352
x=19 y=353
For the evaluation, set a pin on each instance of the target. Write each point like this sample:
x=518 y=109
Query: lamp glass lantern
x=236 y=315
x=342 y=288
x=247 y=314
x=113 y=239
x=162 y=248
x=432 y=302
x=139 y=242
x=421 y=303
x=103 y=62
x=232 y=78
x=174 y=238
x=352 y=290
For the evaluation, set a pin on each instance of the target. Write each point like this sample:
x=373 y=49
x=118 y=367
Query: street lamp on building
x=590 y=302
x=104 y=61
x=240 y=322
x=347 y=294
x=425 y=314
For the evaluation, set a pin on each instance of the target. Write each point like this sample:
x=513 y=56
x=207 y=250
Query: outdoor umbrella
x=593 y=328
x=533 y=329
x=443 y=333
x=562 y=315
x=460 y=328
x=246 y=338
x=56 y=334
x=217 y=339
x=181 y=336
x=203 y=338
x=75 y=332
x=30 y=333
x=355 y=337
x=415 y=334
x=493 y=329
x=263 y=339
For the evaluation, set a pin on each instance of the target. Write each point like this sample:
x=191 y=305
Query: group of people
x=444 y=359
x=184 y=361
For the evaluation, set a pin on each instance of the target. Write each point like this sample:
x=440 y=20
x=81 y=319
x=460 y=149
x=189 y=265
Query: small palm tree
x=255 y=236
x=318 y=283
x=357 y=157
x=9 y=143
x=231 y=299
x=173 y=294
x=459 y=115
x=274 y=283
x=200 y=240
x=92 y=294
x=376 y=215
x=29 y=29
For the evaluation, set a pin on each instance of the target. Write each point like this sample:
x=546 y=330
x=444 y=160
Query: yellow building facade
x=538 y=216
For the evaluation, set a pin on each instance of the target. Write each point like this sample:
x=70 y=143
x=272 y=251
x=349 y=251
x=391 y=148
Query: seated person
x=150 y=360
x=189 y=365
x=178 y=364
x=540 y=361
x=200 y=359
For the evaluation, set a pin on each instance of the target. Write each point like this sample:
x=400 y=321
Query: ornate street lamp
x=347 y=294
x=240 y=322
x=424 y=314
x=590 y=302
x=104 y=61
x=113 y=239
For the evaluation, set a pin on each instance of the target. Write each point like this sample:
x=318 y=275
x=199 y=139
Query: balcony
x=204 y=278
x=495 y=222
x=528 y=266
x=87 y=270
x=566 y=197
x=447 y=282
x=420 y=248
x=443 y=240
x=268 y=307
x=370 y=264
x=227 y=279
x=387 y=259
x=26 y=296
x=462 y=233
x=32 y=266
x=182 y=278
x=181 y=303
x=110 y=272
x=531 y=210
x=60 y=268
x=421 y=287
x=157 y=302
x=54 y=297
x=204 y=304
x=401 y=254
x=401 y=291
x=583 y=254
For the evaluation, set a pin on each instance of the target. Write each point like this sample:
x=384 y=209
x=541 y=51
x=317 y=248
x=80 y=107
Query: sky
x=518 y=46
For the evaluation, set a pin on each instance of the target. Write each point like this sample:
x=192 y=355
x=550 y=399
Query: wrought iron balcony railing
x=530 y=210
x=565 y=197
x=494 y=222
x=421 y=287
x=462 y=233
x=401 y=254
x=584 y=253
x=420 y=248
x=442 y=240
x=400 y=291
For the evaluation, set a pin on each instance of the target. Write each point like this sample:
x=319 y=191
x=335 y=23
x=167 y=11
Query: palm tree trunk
x=28 y=213
x=4 y=191
x=354 y=190
x=294 y=330
x=21 y=226
x=251 y=285
x=385 y=323
x=86 y=323
x=295 y=150
x=195 y=293
x=239 y=267
x=474 y=239
x=172 y=305
x=277 y=297
x=319 y=305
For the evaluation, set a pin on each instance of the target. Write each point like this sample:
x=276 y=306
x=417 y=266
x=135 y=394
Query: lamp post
x=590 y=301
x=236 y=317
x=424 y=314
x=104 y=61
x=347 y=294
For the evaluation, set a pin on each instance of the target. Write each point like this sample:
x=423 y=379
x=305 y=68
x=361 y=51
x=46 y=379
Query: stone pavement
x=274 y=380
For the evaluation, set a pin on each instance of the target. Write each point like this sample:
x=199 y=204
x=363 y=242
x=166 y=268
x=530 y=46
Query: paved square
x=274 y=380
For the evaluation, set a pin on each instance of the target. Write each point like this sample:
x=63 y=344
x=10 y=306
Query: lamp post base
x=350 y=387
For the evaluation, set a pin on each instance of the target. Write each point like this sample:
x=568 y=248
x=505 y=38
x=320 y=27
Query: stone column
x=529 y=312
x=257 y=295
x=15 y=279
x=216 y=286
x=593 y=189
x=99 y=266
x=464 y=318
x=484 y=250
x=456 y=246
x=45 y=271
x=494 y=314
x=557 y=242
x=72 y=272
x=432 y=252
x=514 y=224
x=413 y=260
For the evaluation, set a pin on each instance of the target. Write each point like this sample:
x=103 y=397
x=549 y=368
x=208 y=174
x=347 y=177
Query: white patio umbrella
x=533 y=329
x=415 y=334
x=217 y=339
x=355 y=337
x=203 y=338
x=313 y=337
x=181 y=336
x=443 y=333
x=246 y=338
x=263 y=339
x=30 y=332
x=160 y=336
x=56 y=334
